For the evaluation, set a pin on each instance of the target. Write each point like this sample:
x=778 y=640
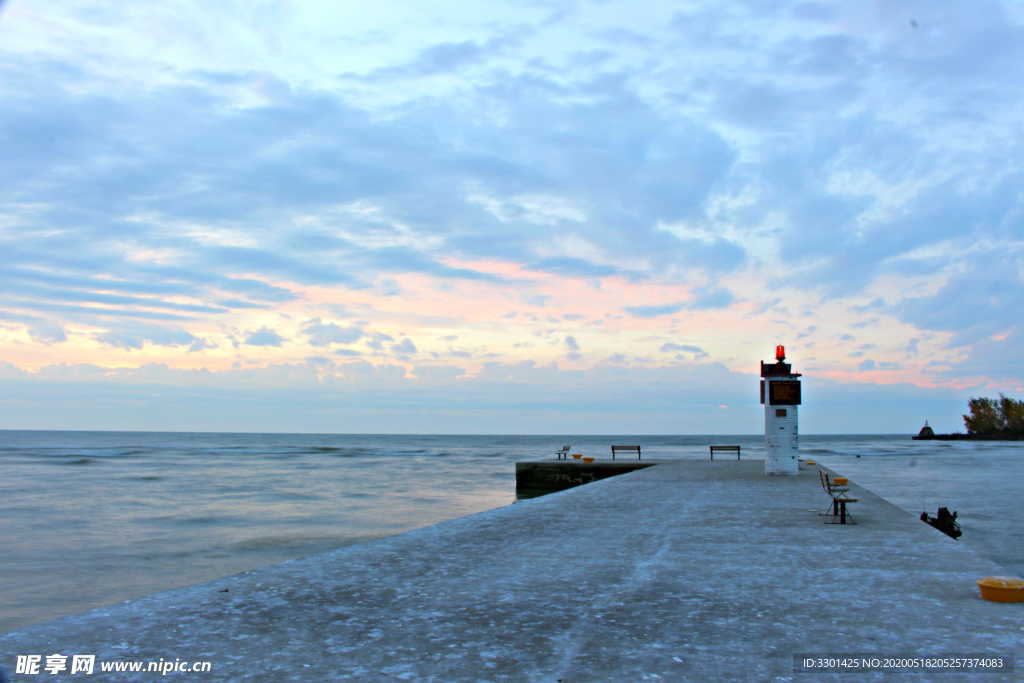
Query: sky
x=537 y=216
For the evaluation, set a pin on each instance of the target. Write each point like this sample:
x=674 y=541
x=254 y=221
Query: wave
x=200 y=521
x=310 y=542
x=77 y=457
x=295 y=495
x=334 y=449
x=206 y=520
x=337 y=451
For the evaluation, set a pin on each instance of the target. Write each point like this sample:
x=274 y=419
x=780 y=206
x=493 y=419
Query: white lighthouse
x=780 y=394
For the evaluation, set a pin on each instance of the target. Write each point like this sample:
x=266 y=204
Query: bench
x=631 y=449
x=563 y=452
x=725 y=449
x=839 y=499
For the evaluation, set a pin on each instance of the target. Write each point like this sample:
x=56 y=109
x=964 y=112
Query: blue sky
x=530 y=217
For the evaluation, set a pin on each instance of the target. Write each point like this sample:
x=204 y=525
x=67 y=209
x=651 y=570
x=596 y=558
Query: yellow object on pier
x=1001 y=589
x=588 y=459
x=577 y=456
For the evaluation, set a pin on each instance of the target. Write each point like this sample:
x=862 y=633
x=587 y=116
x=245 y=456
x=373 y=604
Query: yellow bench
x=837 y=491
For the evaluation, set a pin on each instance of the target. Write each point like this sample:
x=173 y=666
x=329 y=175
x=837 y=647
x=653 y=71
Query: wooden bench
x=725 y=449
x=632 y=449
x=563 y=452
x=839 y=499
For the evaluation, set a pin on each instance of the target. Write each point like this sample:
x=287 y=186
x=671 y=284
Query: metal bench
x=563 y=452
x=631 y=449
x=725 y=449
x=839 y=499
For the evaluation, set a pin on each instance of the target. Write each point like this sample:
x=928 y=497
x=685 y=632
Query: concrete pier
x=689 y=570
x=548 y=476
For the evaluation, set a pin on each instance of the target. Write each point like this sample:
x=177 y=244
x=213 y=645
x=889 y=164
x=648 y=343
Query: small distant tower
x=780 y=394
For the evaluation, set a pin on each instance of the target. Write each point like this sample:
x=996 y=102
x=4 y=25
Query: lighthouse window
x=780 y=412
x=784 y=393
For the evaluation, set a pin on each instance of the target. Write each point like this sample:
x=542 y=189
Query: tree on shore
x=1013 y=414
x=991 y=416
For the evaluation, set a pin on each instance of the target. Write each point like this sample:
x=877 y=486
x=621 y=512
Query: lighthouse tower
x=780 y=394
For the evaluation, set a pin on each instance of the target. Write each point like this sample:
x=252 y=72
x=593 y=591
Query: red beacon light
x=780 y=353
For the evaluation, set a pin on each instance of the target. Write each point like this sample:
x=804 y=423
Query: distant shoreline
x=970 y=437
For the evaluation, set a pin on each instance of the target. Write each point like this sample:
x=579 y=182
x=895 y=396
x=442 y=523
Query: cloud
x=438 y=373
x=974 y=303
x=704 y=298
x=321 y=334
x=89 y=312
x=654 y=311
x=389 y=288
x=337 y=154
x=136 y=335
x=241 y=303
x=685 y=348
x=843 y=161
x=92 y=297
x=255 y=289
x=708 y=297
x=264 y=337
x=572 y=267
x=377 y=340
x=404 y=347
x=87 y=297
x=526 y=396
x=47 y=332
x=808 y=331
x=996 y=363
x=11 y=371
x=201 y=345
x=573 y=348
x=443 y=58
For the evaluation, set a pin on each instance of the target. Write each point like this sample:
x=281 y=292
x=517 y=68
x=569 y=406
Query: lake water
x=91 y=518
